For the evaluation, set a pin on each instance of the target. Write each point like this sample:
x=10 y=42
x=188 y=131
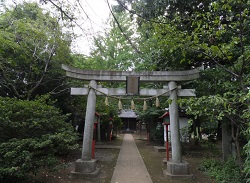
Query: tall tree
x=224 y=41
x=213 y=33
x=31 y=52
x=113 y=51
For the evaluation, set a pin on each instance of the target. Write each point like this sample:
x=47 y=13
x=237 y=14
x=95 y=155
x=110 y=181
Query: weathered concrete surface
x=178 y=168
x=89 y=123
x=118 y=76
x=160 y=148
x=174 y=124
x=85 y=169
x=130 y=166
x=86 y=166
x=142 y=92
x=177 y=171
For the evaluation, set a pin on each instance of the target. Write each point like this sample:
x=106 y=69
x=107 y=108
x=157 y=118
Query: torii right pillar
x=176 y=167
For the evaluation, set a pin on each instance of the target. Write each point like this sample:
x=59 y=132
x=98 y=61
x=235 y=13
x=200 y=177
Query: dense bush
x=32 y=135
x=247 y=162
x=157 y=134
x=246 y=116
x=228 y=171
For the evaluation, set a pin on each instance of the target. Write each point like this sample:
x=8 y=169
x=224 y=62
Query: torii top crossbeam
x=145 y=76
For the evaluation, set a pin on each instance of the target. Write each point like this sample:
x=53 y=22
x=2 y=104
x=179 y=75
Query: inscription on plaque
x=132 y=85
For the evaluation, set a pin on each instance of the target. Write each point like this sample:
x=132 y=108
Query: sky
x=96 y=22
x=92 y=17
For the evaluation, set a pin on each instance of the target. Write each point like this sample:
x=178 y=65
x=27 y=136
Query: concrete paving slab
x=107 y=147
x=130 y=167
x=160 y=148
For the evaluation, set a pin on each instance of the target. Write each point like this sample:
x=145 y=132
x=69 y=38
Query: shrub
x=157 y=134
x=246 y=115
x=247 y=162
x=32 y=135
x=228 y=171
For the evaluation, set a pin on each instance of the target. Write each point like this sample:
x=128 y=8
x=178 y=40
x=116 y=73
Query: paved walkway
x=130 y=167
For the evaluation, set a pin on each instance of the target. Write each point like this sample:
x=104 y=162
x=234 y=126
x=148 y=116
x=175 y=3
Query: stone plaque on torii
x=86 y=165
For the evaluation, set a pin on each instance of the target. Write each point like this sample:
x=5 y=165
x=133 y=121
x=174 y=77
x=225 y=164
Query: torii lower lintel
x=142 y=92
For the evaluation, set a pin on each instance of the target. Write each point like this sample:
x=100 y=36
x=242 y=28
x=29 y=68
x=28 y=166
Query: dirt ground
x=154 y=162
x=107 y=161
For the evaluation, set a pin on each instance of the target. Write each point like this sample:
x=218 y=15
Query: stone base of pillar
x=177 y=171
x=84 y=168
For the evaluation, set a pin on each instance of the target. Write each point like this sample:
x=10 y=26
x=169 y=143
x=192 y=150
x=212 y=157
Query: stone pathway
x=130 y=167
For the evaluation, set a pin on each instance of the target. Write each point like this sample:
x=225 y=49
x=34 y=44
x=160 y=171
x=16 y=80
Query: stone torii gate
x=86 y=166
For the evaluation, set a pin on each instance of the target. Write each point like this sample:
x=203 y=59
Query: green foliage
x=247 y=160
x=32 y=50
x=157 y=134
x=246 y=115
x=163 y=48
x=214 y=106
x=150 y=114
x=108 y=113
x=113 y=51
x=227 y=171
x=227 y=108
x=184 y=136
x=32 y=135
x=211 y=147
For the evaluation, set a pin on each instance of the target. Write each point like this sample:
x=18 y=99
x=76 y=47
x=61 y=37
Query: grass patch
x=222 y=172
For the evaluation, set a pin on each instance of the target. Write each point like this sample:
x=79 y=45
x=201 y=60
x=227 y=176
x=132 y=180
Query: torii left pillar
x=86 y=166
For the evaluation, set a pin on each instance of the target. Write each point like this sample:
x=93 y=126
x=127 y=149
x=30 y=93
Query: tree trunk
x=235 y=136
x=226 y=140
x=199 y=130
x=219 y=131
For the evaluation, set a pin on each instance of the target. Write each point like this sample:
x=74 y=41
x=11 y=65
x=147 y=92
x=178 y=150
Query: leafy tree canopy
x=32 y=50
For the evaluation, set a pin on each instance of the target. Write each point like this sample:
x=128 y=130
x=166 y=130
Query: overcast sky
x=96 y=22
x=92 y=20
